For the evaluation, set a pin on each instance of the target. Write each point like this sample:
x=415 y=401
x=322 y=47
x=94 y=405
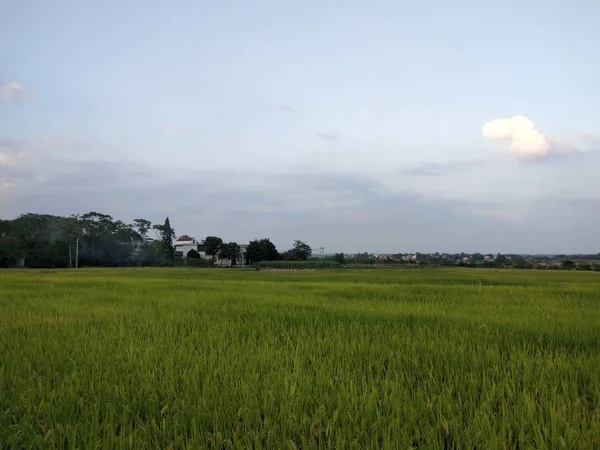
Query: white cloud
x=524 y=138
x=12 y=91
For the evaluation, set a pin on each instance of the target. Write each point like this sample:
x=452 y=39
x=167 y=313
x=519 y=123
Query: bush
x=193 y=254
x=195 y=262
x=297 y=265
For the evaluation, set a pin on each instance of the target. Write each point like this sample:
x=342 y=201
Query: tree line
x=91 y=239
x=98 y=240
x=256 y=251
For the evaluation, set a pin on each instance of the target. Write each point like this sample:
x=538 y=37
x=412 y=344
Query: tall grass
x=154 y=358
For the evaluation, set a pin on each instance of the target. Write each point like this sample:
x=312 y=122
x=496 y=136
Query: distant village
x=185 y=244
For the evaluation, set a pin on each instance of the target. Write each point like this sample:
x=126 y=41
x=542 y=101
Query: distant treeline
x=473 y=260
x=97 y=240
x=92 y=239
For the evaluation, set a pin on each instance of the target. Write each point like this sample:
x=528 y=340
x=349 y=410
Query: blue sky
x=358 y=126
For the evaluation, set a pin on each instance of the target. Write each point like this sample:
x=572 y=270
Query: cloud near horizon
x=341 y=211
x=13 y=91
x=522 y=135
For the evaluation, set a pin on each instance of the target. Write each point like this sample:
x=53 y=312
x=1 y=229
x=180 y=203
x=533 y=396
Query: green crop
x=297 y=265
x=217 y=358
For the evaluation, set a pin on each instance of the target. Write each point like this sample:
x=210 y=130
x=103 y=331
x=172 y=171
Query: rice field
x=232 y=358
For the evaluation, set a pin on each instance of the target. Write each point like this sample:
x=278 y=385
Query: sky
x=380 y=126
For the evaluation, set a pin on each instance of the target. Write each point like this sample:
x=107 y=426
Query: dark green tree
x=300 y=252
x=340 y=257
x=262 y=250
x=193 y=254
x=229 y=251
x=211 y=246
x=568 y=264
x=142 y=226
x=166 y=234
x=10 y=253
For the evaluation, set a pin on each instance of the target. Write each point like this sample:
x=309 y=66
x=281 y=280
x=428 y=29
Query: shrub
x=193 y=254
x=194 y=262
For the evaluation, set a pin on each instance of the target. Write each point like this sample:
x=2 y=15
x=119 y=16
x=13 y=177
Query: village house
x=185 y=243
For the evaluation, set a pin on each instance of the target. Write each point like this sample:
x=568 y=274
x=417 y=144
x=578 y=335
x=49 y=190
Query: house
x=185 y=243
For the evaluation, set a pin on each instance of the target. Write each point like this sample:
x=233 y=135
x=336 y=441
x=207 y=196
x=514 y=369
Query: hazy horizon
x=354 y=126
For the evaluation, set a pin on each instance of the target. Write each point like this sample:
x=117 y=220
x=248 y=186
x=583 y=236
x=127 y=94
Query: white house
x=185 y=243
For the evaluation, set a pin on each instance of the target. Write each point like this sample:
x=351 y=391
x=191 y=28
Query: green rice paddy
x=232 y=358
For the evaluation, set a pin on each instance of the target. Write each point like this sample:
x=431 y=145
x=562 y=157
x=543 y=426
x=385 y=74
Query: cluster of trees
x=96 y=239
x=256 y=251
x=91 y=239
x=264 y=250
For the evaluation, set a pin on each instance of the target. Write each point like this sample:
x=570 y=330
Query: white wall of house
x=185 y=246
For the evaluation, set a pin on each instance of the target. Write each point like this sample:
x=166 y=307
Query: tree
x=142 y=226
x=193 y=254
x=229 y=251
x=477 y=257
x=166 y=234
x=9 y=251
x=568 y=264
x=5 y=227
x=340 y=257
x=521 y=263
x=300 y=252
x=41 y=240
x=212 y=245
x=262 y=250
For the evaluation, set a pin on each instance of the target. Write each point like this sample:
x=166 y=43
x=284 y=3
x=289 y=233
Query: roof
x=185 y=237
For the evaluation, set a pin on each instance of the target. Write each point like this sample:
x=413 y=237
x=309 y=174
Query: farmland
x=205 y=358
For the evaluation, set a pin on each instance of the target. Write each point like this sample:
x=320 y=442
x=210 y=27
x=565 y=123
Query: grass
x=180 y=358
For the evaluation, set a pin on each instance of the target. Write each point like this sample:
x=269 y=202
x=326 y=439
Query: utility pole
x=77 y=253
x=70 y=259
x=242 y=251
